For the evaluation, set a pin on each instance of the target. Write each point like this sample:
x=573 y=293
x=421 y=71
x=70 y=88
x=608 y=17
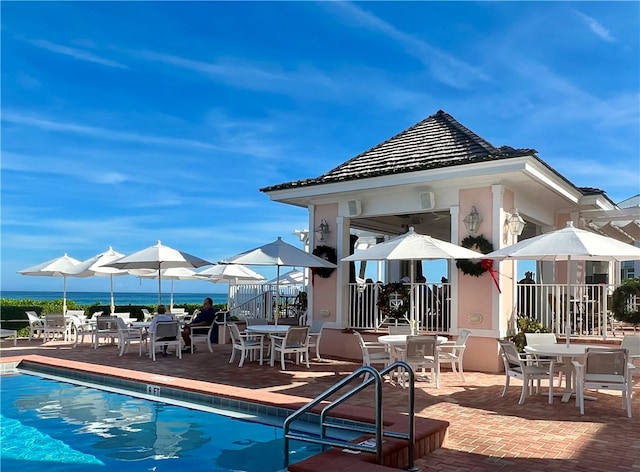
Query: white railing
x=588 y=307
x=259 y=300
x=432 y=305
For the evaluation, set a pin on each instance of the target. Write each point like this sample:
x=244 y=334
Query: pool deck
x=486 y=433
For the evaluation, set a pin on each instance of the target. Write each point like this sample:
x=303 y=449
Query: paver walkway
x=487 y=433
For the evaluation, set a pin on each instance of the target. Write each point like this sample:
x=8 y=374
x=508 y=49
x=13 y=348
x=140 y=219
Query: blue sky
x=126 y=123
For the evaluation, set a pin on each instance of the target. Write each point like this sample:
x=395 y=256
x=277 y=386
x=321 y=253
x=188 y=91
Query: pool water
x=57 y=426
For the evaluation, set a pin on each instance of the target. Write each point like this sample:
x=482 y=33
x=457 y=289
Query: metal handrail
x=375 y=377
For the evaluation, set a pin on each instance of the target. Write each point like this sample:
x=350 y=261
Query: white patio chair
x=167 y=334
x=542 y=339
x=80 y=328
x=36 y=324
x=422 y=353
x=201 y=333
x=632 y=344
x=295 y=341
x=518 y=366
x=315 y=334
x=453 y=352
x=127 y=335
x=247 y=344
x=374 y=353
x=400 y=329
x=78 y=313
x=54 y=325
x=107 y=328
x=256 y=321
x=147 y=315
x=604 y=369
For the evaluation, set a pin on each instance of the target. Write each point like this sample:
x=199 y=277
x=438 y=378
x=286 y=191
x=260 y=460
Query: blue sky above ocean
x=162 y=120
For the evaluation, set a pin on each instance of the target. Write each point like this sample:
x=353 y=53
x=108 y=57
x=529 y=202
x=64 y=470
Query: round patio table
x=267 y=329
x=567 y=352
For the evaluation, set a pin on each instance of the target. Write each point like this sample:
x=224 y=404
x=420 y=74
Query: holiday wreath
x=401 y=300
x=621 y=307
x=329 y=254
x=477 y=243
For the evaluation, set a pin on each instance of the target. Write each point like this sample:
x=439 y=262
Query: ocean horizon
x=120 y=298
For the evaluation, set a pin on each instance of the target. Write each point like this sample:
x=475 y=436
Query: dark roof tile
x=436 y=142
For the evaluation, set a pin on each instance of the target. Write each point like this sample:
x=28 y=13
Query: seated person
x=205 y=318
x=161 y=316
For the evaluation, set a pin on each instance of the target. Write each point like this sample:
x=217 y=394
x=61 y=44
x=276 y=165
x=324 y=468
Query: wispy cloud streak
x=75 y=53
x=596 y=28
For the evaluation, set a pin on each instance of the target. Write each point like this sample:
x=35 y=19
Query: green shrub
x=620 y=301
x=527 y=325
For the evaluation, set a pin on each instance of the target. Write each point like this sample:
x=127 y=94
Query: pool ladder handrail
x=375 y=377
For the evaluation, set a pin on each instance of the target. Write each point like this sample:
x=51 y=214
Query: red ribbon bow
x=487 y=264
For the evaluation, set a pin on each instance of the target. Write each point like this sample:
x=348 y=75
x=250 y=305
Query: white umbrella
x=568 y=244
x=158 y=257
x=62 y=266
x=293 y=277
x=96 y=267
x=173 y=273
x=279 y=253
x=412 y=246
x=232 y=273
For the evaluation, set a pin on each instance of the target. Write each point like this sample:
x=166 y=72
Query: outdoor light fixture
x=472 y=221
x=515 y=223
x=323 y=230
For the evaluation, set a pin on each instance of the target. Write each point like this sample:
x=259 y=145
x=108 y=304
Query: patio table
x=6 y=333
x=567 y=353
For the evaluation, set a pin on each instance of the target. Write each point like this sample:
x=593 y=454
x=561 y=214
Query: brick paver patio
x=487 y=432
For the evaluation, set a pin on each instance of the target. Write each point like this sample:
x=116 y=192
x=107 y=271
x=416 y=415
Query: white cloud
x=596 y=28
x=444 y=67
x=75 y=53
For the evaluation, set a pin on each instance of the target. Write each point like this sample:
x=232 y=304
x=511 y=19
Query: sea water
x=120 y=298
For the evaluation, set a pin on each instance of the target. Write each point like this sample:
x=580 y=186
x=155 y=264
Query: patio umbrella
x=412 y=246
x=158 y=257
x=232 y=274
x=173 y=273
x=62 y=266
x=293 y=277
x=568 y=244
x=279 y=253
x=96 y=267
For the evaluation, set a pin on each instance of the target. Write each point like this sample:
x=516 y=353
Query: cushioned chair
x=295 y=341
x=167 y=334
x=520 y=367
x=246 y=344
x=127 y=335
x=604 y=369
x=453 y=352
x=36 y=324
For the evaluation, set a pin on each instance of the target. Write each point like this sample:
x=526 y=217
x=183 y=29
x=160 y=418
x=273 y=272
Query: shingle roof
x=436 y=142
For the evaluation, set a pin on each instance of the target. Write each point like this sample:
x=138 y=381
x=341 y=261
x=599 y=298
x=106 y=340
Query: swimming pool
x=60 y=426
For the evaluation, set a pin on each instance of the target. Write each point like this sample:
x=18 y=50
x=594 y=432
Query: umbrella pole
x=159 y=284
x=412 y=315
x=113 y=305
x=64 y=295
x=275 y=315
x=567 y=325
x=171 y=299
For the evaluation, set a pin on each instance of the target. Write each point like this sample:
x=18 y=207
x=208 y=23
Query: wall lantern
x=472 y=221
x=323 y=230
x=515 y=223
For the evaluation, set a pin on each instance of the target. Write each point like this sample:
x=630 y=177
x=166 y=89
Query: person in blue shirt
x=205 y=318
